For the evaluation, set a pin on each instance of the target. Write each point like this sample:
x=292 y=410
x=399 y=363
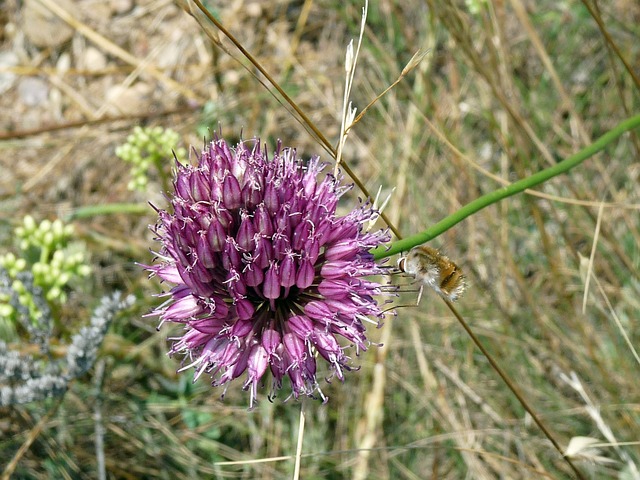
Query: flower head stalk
x=266 y=277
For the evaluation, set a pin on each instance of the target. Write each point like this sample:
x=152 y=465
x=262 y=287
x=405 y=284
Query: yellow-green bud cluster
x=145 y=148
x=54 y=260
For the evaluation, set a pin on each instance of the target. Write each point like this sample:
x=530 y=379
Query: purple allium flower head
x=266 y=274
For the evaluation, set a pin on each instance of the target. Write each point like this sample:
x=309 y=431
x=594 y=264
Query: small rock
x=97 y=10
x=33 y=91
x=128 y=100
x=42 y=27
x=118 y=7
x=93 y=60
x=63 y=64
x=253 y=9
x=8 y=59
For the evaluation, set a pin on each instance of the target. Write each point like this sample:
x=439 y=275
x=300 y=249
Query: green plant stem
x=164 y=178
x=44 y=254
x=108 y=209
x=508 y=191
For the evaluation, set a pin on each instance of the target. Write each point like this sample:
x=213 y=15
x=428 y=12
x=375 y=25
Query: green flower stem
x=108 y=209
x=162 y=173
x=44 y=254
x=508 y=191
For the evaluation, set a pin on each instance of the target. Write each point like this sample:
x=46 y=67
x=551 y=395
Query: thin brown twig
x=302 y=116
x=509 y=383
x=612 y=44
x=81 y=123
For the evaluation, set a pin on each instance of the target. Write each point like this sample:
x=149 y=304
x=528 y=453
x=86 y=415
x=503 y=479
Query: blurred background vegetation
x=507 y=89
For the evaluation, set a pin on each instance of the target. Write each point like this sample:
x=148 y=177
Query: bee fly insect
x=434 y=270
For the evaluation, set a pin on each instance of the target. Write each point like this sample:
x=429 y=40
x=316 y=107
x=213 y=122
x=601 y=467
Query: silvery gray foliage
x=14 y=367
x=41 y=331
x=25 y=379
x=85 y=344
x=33 y=389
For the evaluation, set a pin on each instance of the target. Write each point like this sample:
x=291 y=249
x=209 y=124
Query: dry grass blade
x=514 y=389
x=31 y=437
x=612 y=312
x=591 y=258
x=113 y=49
x=603 y=29
x=298 y=457
x=413 y=63
x=205 y=19
x=301 y=115
x=348 y=112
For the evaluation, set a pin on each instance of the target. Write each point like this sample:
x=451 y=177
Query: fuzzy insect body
x=435 y=270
